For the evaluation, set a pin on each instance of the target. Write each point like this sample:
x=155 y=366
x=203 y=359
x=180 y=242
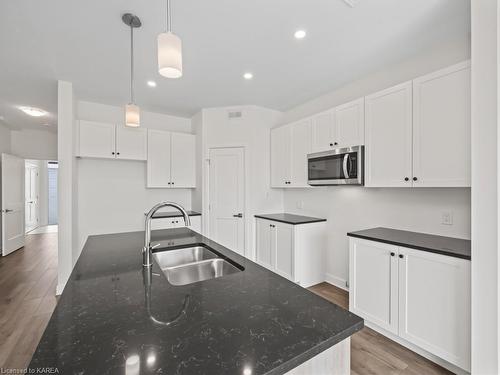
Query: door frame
x=206 y=191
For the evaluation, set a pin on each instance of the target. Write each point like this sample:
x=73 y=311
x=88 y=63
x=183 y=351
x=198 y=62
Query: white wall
x=66 y=184
x=4 y=139
x=354 y=208
x=112 y=194
x=34 y=144
x=485 y=185
x=251 y=131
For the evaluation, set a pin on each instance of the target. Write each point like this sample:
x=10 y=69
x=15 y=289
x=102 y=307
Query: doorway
x=227 y=197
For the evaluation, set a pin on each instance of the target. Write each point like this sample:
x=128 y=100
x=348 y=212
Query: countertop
x=290 y=218
x=251 y=320
x=455 y=247
x=167 y=214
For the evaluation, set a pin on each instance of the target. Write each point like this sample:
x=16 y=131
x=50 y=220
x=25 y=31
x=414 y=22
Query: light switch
x=447 y=218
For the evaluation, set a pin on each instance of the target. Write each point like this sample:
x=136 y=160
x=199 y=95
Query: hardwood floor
x=28 y=279
x=372 y=353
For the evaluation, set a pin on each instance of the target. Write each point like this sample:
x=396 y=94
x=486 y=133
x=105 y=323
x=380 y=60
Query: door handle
x=7 y=211
x=238 y=215
x=344 y=166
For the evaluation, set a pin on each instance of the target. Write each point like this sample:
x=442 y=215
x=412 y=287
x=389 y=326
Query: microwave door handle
x=344 y=166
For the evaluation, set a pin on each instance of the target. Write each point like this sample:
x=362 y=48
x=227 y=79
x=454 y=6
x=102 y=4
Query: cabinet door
x=183 y=172
x=158 y=164
x=441 y=127
x=323 y=125
x=96 y=140
x=264 y=251
x=434 y=304
x=300 y=147
x=388 y=131
x=373 y=279
x=164 y=223
x=284 y=255
x=350 y=124
x=131 y=143
x=280 y=156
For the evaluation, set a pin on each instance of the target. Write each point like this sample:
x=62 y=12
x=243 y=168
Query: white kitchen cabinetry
x=418 y=133
x=109 y=141
x=388 y=136
x=290 y=145
x=441 y=128
x=176 y=222
x=340 y=127
x=374 y=293
x=292 y=251
x=171 y=160
x=417 y=298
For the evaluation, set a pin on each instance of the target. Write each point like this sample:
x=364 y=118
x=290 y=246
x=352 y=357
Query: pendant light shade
x=169 y=50
x=132 y=111
x=132 y=115
x=169 y=55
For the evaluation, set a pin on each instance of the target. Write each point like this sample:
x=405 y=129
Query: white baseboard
x=336 y=281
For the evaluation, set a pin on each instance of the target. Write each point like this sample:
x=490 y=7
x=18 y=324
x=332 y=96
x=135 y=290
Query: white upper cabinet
x=280 y=156
x=96 y=139
x=109 y=141
x=183 y=169
x=290 y=145
x=131 y=143
x=343 y=126
x=323 y=130
x=388 y=136
x=300 y=140
x=441 y=127
x=171 y=160
x=159 y=159
x=350 y=124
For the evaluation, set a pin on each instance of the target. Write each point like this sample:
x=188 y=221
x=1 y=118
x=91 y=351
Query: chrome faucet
x=146 y=250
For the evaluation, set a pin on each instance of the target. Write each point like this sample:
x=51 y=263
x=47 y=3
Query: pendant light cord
x=131 y=64
x=169 y=17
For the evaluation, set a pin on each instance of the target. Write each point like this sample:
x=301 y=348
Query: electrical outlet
x=447 y=218
x=300 y=205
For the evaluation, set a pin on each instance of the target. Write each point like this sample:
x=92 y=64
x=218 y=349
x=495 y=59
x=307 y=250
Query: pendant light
x=132 y=111
x=169 y=50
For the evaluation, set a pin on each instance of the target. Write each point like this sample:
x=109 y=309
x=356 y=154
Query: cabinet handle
x=331 y=144
x=392 y=254
x=415 y=179
x=335 y=143
x=401 y=256
x=117 y=153
x=407 y=179
x=172 y=183
x=112 y=152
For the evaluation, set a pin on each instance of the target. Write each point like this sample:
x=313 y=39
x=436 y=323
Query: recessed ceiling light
x=32 y=111
x=151 y=83
x=248 y=75
x=300 y=34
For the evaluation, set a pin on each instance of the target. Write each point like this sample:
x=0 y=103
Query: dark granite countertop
x=290 y=218
x=162 y=215
x=252 y=319
x=455 y=247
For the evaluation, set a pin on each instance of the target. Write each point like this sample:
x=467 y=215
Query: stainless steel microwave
x=342 y=166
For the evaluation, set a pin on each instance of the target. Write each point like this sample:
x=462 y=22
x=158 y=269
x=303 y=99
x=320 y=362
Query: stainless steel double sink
x=192 y=264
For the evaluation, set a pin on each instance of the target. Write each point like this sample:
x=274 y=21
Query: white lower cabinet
x=176 y=222
x=292 y=251
x=421 y=298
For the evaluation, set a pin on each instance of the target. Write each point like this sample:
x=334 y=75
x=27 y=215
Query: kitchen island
x=114 y=317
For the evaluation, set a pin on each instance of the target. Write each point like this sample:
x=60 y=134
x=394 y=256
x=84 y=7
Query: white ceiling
x=85 y=42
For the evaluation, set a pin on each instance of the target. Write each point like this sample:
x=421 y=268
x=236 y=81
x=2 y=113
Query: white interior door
x=227 y=197
x=12 y=203
x=32 y=186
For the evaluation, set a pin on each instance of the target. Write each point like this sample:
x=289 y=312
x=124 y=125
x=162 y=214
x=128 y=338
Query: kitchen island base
x=333 y=361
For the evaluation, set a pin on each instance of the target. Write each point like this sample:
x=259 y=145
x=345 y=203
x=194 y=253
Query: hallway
x=28 y=280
